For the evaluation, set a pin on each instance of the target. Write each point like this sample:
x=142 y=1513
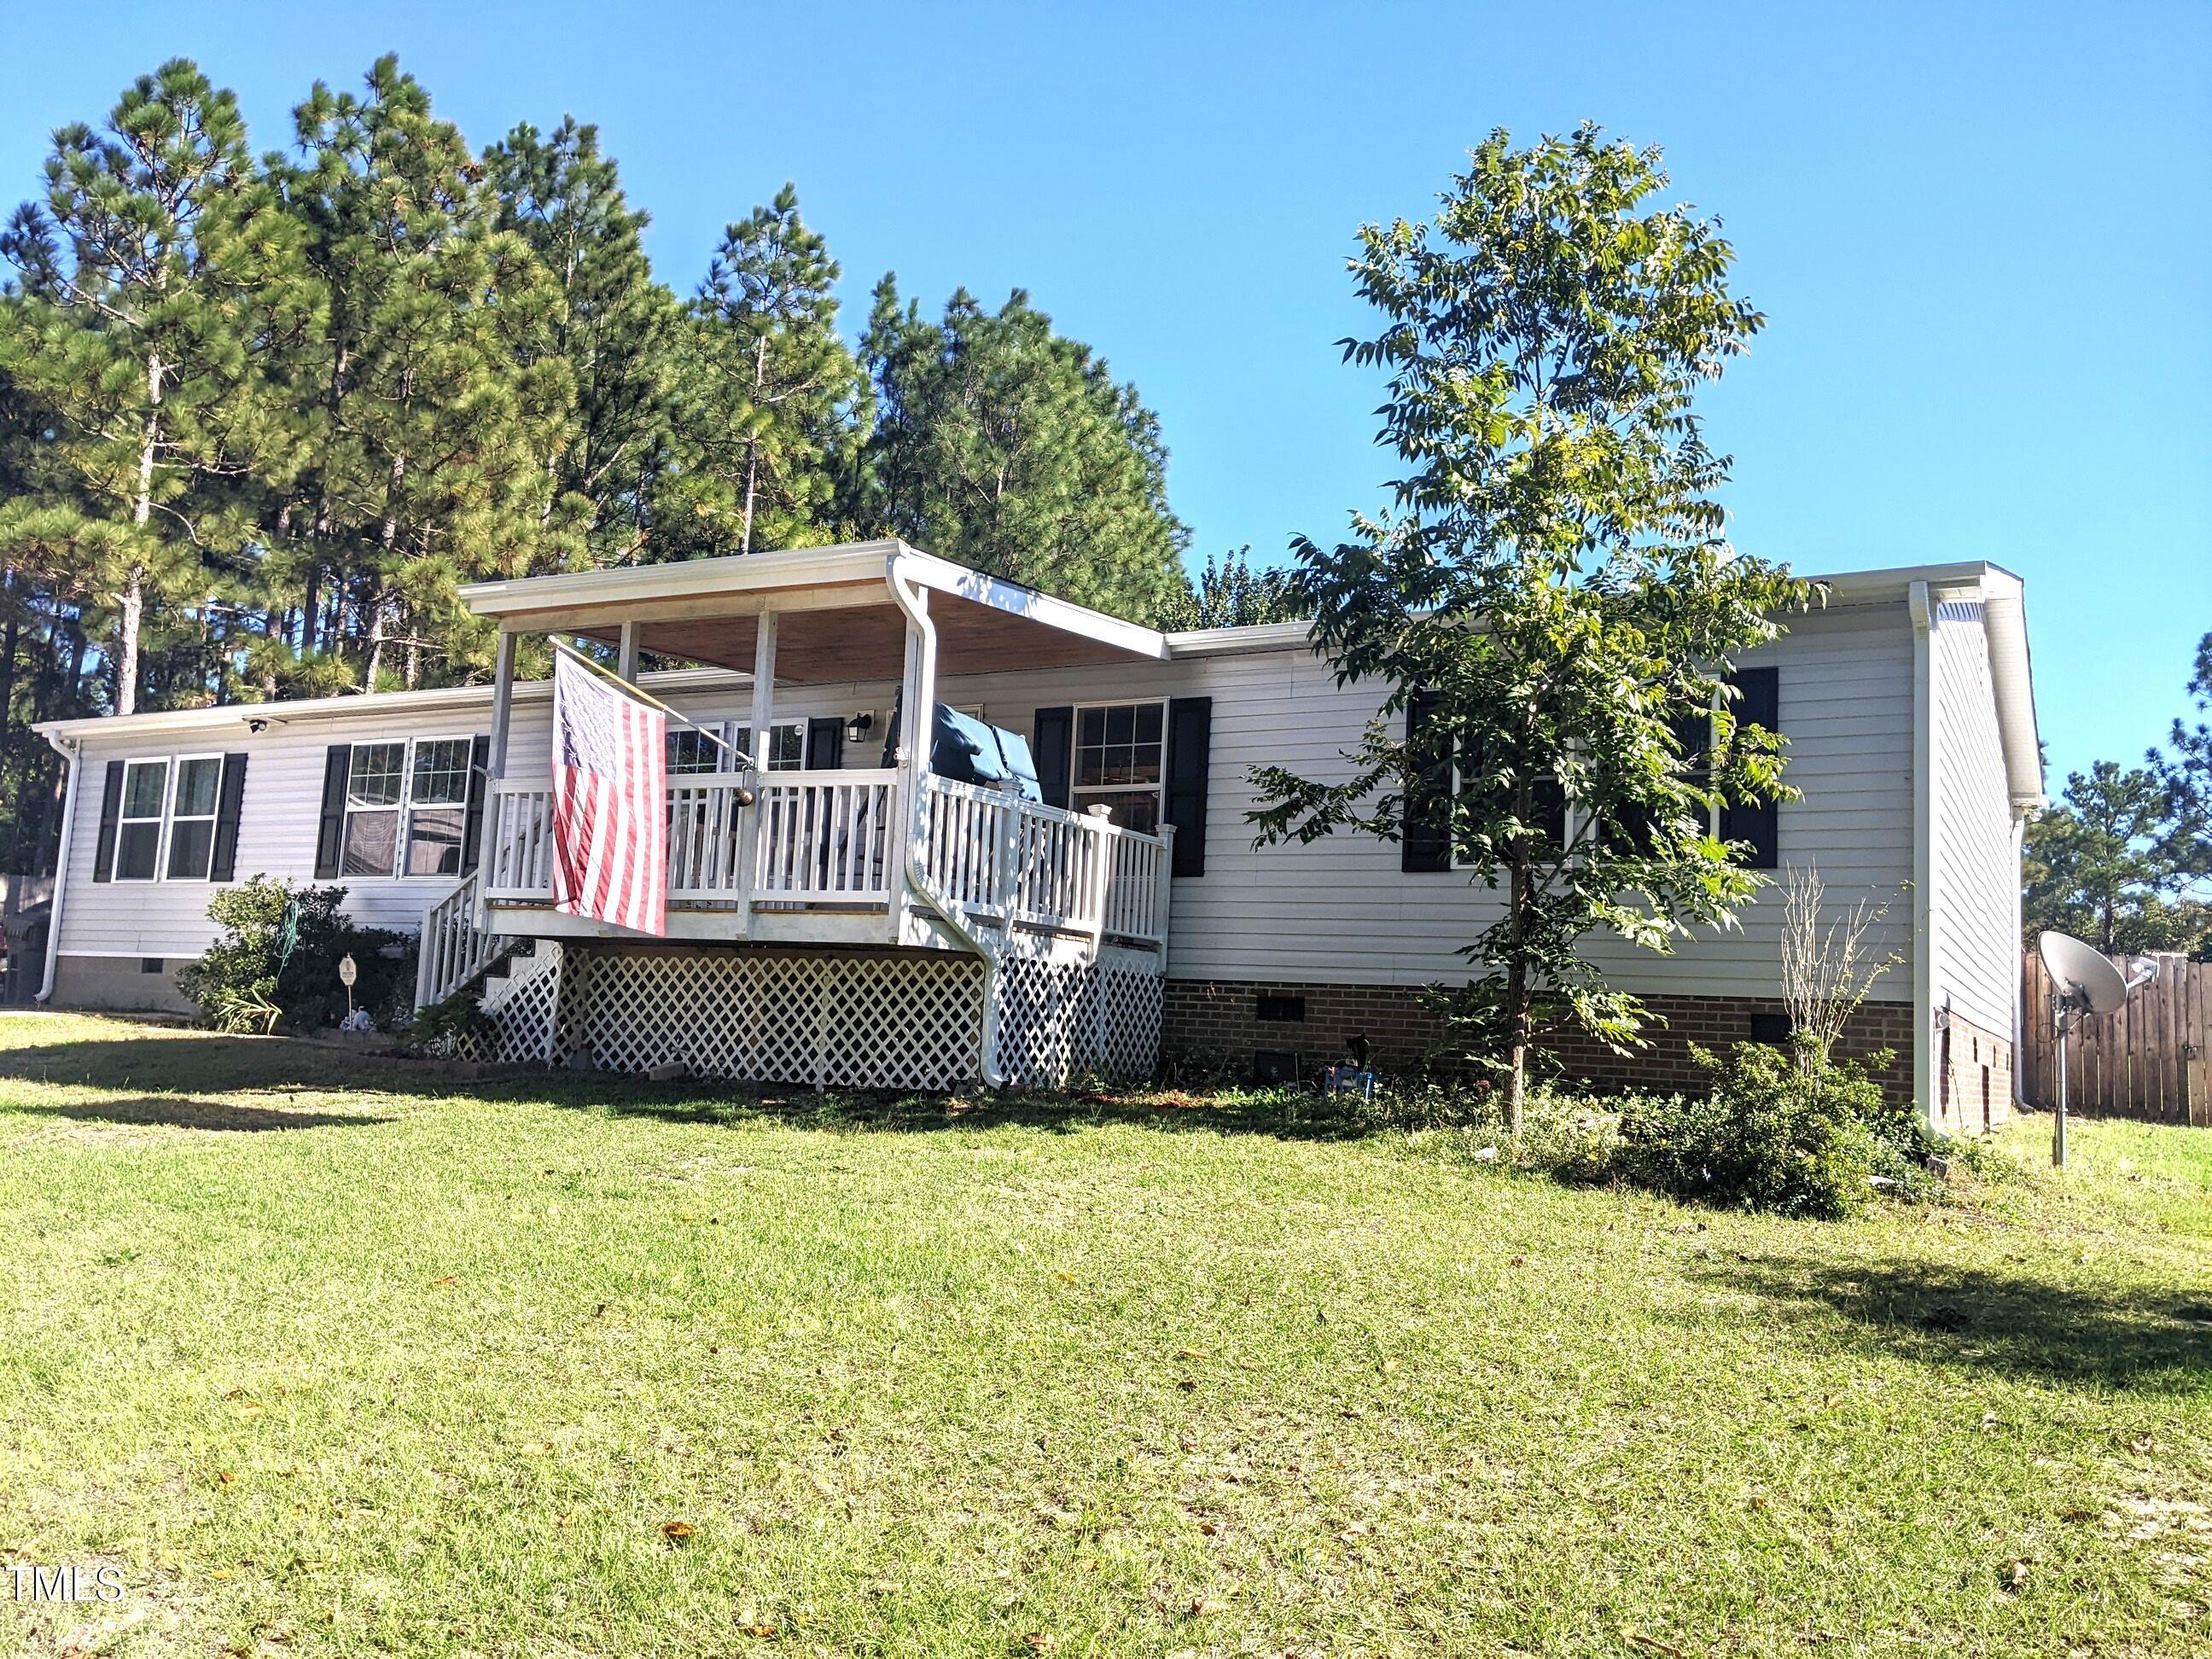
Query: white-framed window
x=437 y=805
x=786 y=744
x=1120 y=756
x=138 y=824
x=406 y=807
x=693 y=751
x=198 y=793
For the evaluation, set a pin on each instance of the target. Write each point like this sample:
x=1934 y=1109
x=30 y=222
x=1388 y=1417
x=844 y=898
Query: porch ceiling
x=837 y=620
x=867 y=642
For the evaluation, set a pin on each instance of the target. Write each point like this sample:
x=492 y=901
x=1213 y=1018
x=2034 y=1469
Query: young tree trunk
x=1516 y=1001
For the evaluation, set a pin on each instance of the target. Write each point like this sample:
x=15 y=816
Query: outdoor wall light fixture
x=859 y=727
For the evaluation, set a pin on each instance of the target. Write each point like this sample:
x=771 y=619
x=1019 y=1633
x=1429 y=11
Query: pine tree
x=765 y=390
x=1001 y=445
x=613 y=326
x=154 y=278
x=436 y=396
x=1231 y=592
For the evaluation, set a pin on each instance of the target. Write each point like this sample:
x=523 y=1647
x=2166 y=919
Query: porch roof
x=837 y=617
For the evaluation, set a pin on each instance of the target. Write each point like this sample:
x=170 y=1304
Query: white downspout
x=71 y=752
x=1924 y=852
x=918 y=727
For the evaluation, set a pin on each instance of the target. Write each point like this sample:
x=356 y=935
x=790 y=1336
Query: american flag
x=610 y=802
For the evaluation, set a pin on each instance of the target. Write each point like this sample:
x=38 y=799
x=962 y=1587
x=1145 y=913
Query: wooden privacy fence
x=2151 y=1059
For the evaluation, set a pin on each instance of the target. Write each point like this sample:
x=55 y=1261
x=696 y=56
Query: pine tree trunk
x=142 y=509
x=752 y=447
x=387 y=538
x=375 y=659
x=8 y=644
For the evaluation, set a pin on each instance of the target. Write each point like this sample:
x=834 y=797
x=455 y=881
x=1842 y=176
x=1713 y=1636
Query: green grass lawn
x=329 y=1358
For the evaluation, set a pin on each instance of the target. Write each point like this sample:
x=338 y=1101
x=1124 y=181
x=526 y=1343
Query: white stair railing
x=1001 y=857
x=453 y=949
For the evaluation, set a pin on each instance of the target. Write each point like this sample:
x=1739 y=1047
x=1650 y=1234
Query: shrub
x=280 y=948
x=1775 y=1133
x=458 y=1027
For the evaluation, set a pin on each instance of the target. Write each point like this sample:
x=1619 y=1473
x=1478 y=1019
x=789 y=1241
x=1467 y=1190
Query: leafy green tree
x=435 y=391
x=154 y=279
x=613 y=326
x=1001 y=445
x=1231 y=592
x=2106 y=864
x=764 y=388
x=1551 y=581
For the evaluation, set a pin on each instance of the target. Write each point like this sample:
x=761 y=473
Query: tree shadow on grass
x=183 y=1112
x=209 y=1063
x=2153 y=1342
x=1282 y=1115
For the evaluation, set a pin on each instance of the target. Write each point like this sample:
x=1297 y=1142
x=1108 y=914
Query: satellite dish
x=2083 y=974
x=2087 y=983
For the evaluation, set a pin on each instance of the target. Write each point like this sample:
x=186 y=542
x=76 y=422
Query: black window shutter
x=1425 y=843
x=1759 y=823
x=110 y=809
x=825 y=743
x=479 y=787
x=1052 y=744
x=229 y=798
x=330 y=838
x=1551 y=812
x=1190 y=753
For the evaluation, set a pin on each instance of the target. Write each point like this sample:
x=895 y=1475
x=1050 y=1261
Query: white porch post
x=758 y=750
x=917 y=720
x=626 y=662
x=502 y=717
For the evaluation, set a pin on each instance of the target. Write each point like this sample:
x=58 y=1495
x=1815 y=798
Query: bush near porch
x=330 y=1359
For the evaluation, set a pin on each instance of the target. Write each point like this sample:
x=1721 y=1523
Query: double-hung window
x=191 y=816
x=406 y=807
x=437 y=805
x=1119 y=751
x=138 y=825
x=375 y=782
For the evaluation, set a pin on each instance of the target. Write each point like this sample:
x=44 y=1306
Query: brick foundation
x=1217 y=1025
x=1973 y=1077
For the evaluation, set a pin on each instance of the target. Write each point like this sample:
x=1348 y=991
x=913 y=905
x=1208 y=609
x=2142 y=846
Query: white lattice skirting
x=912 y=1020
x=875 y=1020
x=1059 y=1021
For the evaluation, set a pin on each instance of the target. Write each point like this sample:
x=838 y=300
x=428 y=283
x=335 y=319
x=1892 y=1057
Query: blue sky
x=1982 y=235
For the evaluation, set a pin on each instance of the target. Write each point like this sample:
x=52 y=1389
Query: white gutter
x=919 y=730
x=2004 y=623
x=67 y=748
x=1923 y=852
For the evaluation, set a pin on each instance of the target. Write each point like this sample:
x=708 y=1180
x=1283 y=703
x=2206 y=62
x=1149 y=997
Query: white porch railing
x=826 y=838
x=453 y=952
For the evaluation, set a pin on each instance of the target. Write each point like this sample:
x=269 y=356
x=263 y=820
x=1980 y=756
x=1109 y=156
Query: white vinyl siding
x=1340 y=910
x=1975 y=955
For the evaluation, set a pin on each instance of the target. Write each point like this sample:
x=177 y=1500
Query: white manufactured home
x=842 y=912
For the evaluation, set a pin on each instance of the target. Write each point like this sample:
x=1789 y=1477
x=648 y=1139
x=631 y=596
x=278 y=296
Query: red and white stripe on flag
x=610 y=802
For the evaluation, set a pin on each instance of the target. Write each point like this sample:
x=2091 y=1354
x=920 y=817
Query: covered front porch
x=890 y=857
